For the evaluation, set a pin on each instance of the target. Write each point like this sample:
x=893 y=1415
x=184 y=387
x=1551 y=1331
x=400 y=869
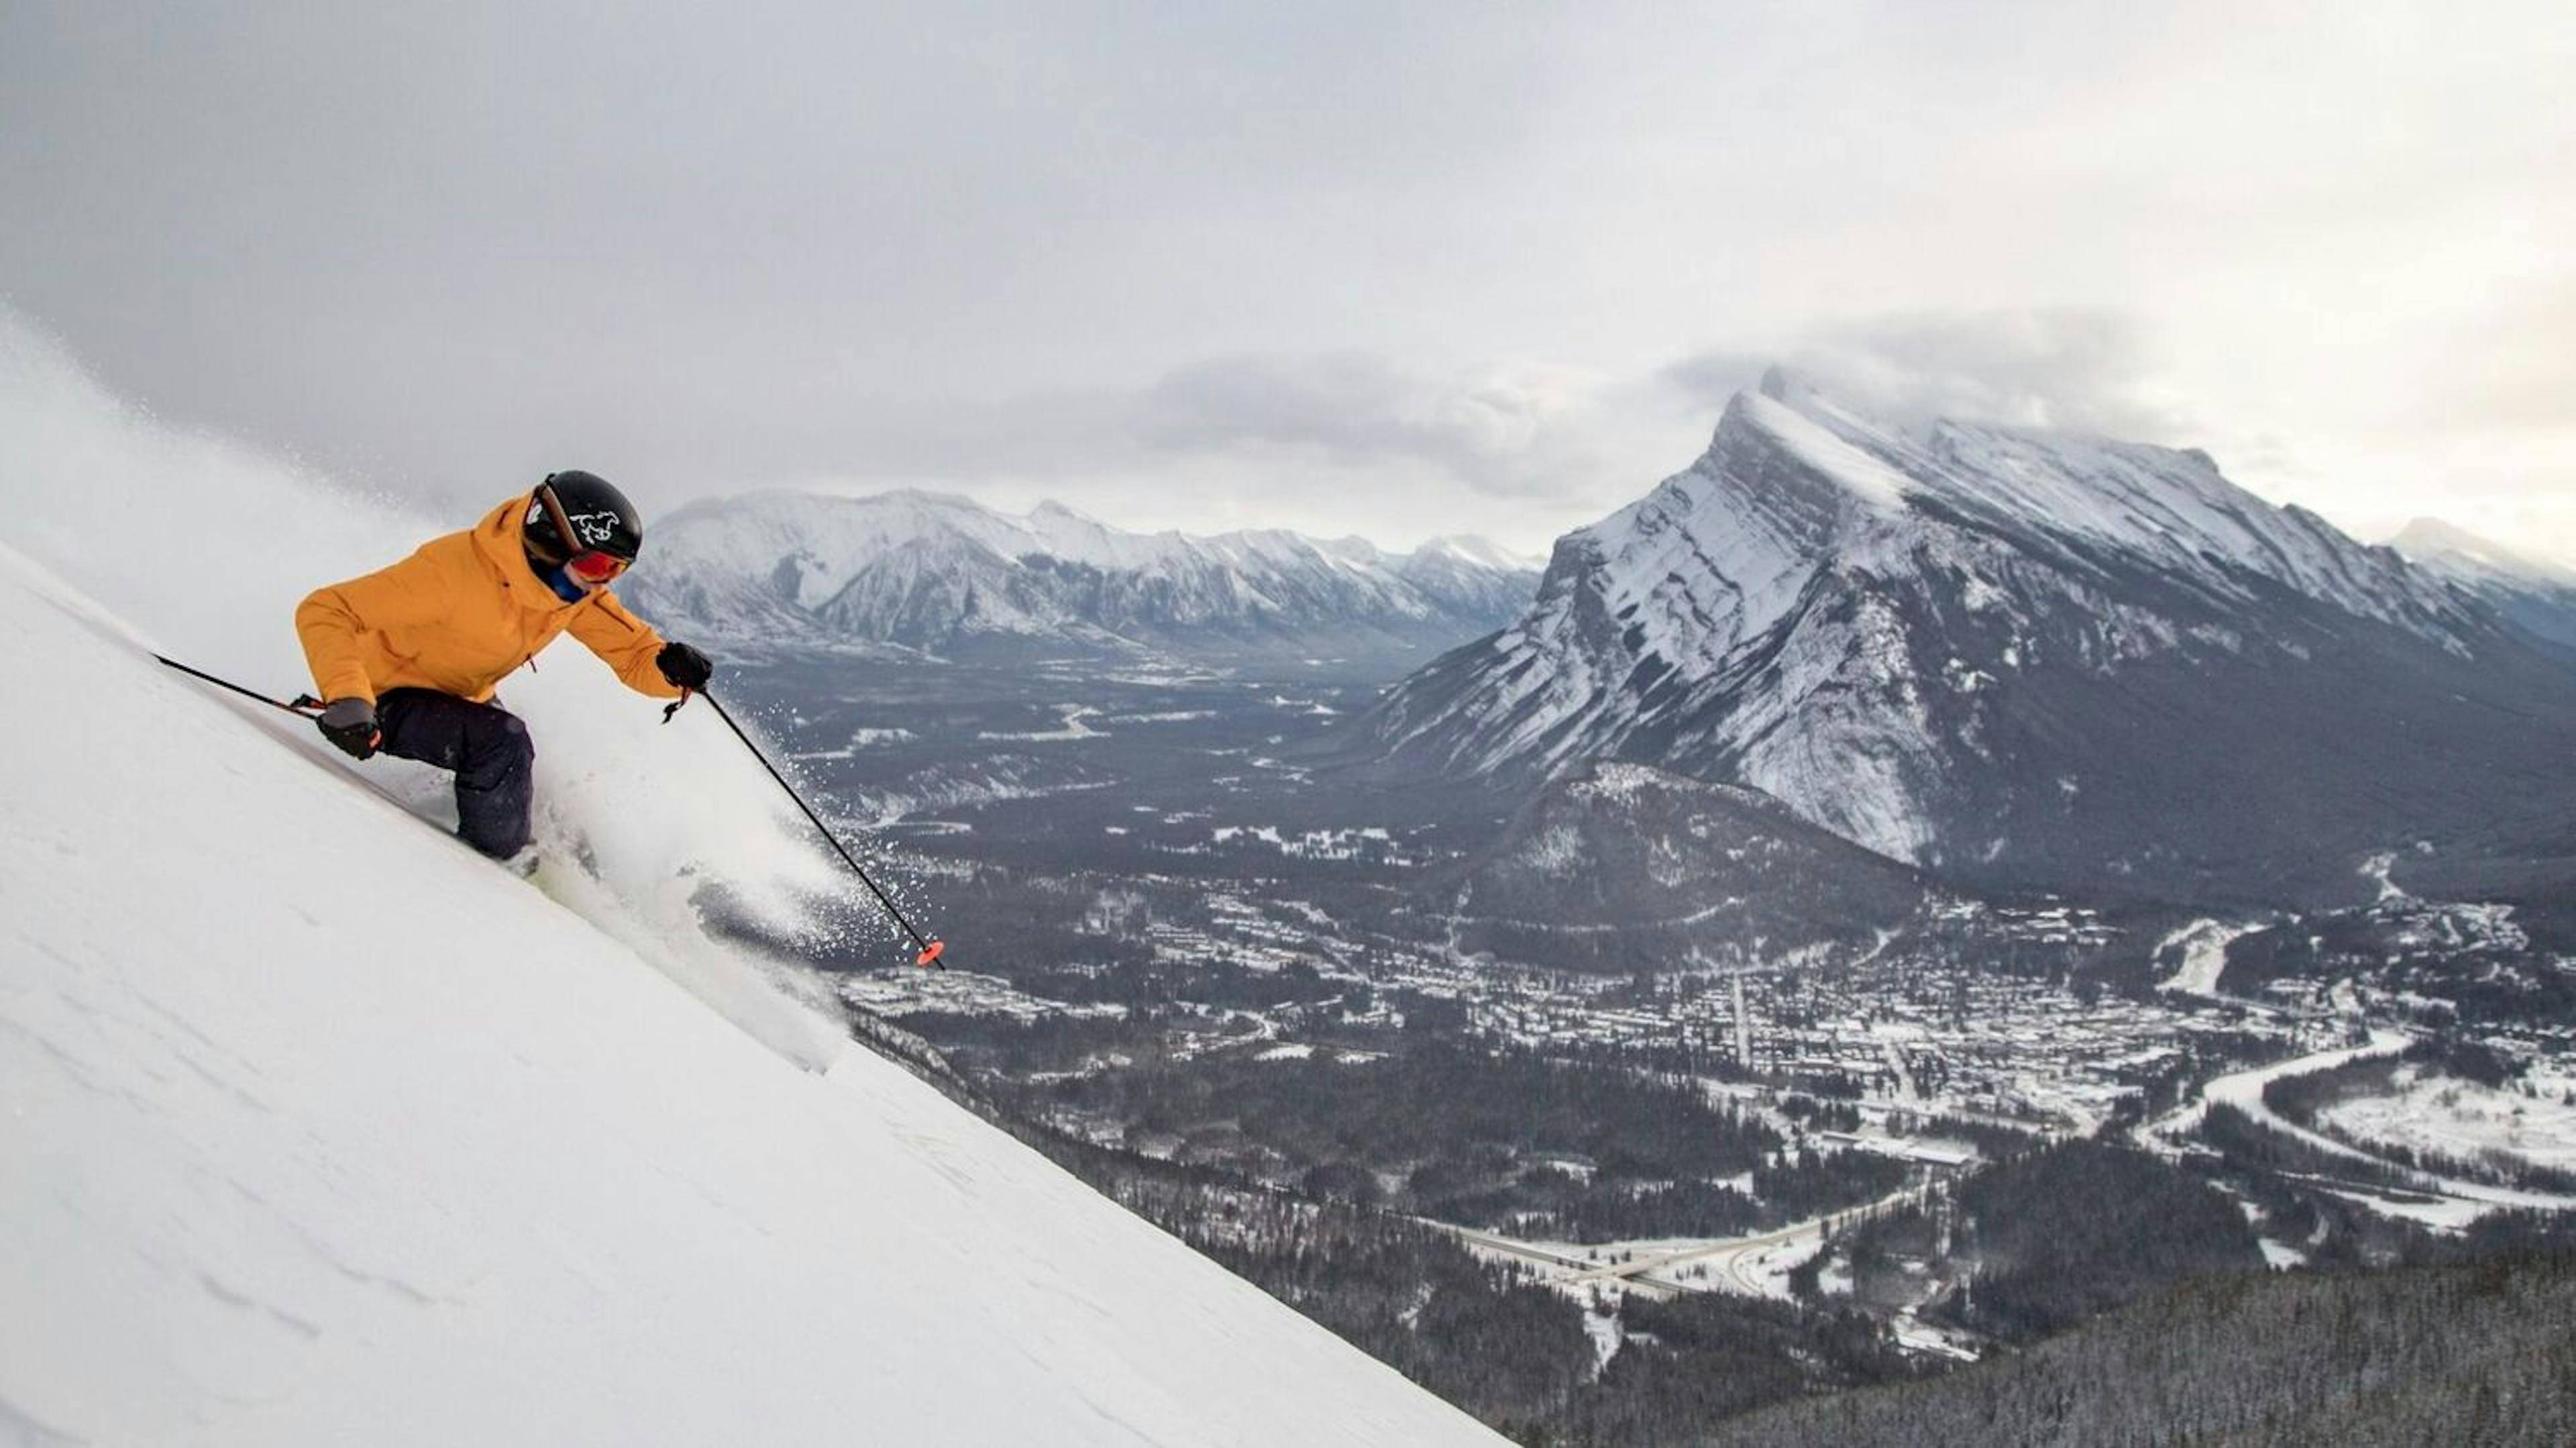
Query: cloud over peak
x=2072 y=369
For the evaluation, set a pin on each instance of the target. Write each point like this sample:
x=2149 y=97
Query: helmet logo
x=595 y=528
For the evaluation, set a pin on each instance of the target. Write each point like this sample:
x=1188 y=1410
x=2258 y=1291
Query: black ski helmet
x=600 y=518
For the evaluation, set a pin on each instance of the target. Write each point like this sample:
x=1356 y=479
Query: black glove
x=351 y=725
x=684 y=666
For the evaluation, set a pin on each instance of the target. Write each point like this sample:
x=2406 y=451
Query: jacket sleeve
x=624 y=642
x=331 y=621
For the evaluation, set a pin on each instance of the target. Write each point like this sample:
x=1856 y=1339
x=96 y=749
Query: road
x=1736 y=1260
x=1508 y=1247
x=1739 y=1260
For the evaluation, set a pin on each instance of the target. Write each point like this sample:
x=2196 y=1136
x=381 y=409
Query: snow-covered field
x=2438 y=1113
x=2456 y=1202
x=2204 y=955
x=320 y=1129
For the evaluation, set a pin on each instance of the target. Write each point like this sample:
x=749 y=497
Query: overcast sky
x=1398 y=270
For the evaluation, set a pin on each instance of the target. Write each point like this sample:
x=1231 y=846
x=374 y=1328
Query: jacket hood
x=502 y=540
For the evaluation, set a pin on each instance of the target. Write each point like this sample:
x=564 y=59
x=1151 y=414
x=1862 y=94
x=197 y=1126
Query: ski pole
x=930 y=948
x=304 y=707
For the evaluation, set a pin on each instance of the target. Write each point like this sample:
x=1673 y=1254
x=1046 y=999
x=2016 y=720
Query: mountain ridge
x=2027 y=659
x=945 y=577
x=2538 y=594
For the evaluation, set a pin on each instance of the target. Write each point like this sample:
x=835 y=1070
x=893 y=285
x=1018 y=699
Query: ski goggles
x=593 y=568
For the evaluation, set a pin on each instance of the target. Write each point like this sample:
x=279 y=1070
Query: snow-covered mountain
x=2534 y=592
x=948 y=577
x=2023 y=657
x=321 y=1130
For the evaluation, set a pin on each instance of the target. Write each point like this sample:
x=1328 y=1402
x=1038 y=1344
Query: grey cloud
x=1521 y=430
x=1706 y=379
x=1239 y=253
x=2075 y=369
x=1344 y=405
x=1501 y=429
x=424 y=244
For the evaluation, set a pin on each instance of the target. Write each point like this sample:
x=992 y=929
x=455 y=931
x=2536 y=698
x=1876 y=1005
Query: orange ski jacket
x=458 y=616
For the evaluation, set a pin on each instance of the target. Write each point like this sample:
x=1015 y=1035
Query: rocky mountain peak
x=1988 y=648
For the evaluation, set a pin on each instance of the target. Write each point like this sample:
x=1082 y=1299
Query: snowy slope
x=314 y=1128
x=948 y=577
x=2028 y=657
x=321 y=1130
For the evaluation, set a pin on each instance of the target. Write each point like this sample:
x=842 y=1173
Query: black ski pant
x=486 y=746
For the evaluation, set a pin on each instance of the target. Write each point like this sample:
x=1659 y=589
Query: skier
x=406 y=658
